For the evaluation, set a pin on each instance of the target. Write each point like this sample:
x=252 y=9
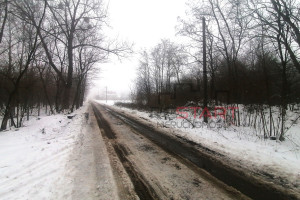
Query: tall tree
x=28 y=43
x=268 y=13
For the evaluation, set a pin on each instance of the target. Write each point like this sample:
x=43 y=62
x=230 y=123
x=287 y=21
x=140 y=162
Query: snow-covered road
x=164 y=175
x=78 y=156
x=253 y=182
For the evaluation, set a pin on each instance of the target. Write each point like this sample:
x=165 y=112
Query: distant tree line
x=252 y=55
x=48 y=49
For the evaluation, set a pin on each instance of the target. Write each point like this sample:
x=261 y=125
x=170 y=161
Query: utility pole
x=106 y=94
x=204 y=70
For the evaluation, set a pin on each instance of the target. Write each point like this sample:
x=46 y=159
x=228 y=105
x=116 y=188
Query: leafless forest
x=250 y=52
x=48 y=53
x=252 y=58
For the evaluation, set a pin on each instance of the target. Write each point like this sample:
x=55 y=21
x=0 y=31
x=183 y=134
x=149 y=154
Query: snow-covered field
x=278 y=159
x=33 y=158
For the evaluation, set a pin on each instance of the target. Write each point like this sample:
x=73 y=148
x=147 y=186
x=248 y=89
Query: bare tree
x=159 y=69
x=64 y=21
x=144 y=87
x=28 y=43
x=268 y=14
x=3 y=16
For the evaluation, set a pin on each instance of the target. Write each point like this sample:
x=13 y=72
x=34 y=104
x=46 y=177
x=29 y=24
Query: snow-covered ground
x=54 y=157
x=33 y=159
x=278 y=159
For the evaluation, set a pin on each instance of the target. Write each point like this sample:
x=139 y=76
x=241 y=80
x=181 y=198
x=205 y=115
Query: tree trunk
x=77 y=93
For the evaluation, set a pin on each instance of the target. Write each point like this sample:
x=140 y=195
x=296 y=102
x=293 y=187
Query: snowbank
x=33 y=158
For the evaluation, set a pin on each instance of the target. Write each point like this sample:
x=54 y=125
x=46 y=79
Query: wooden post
x=204 y=70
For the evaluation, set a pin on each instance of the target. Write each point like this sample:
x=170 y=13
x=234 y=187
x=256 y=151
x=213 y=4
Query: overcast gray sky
x=142 y=22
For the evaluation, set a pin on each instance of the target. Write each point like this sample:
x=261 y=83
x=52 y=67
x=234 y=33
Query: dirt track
x=154 y=172
x=123 y=130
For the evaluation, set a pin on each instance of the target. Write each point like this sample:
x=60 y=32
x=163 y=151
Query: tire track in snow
x=141 y=186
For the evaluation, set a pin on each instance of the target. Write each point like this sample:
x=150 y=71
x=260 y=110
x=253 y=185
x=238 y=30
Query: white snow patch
x=33 y=158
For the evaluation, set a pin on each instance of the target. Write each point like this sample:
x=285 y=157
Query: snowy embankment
x=279 y=160
x=33 y=158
